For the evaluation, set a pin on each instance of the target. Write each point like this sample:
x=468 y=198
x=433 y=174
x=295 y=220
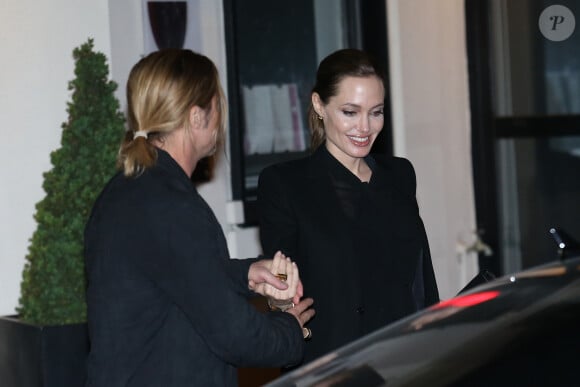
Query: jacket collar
x=170 y=166
x=321 y=162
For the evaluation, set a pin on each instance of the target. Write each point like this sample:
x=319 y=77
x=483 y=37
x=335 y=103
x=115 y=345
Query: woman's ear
x=316 y=103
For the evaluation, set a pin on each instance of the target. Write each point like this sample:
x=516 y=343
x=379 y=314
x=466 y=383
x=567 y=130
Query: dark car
x=518 y=330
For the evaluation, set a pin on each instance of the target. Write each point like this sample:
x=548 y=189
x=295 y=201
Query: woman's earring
x=319 y=117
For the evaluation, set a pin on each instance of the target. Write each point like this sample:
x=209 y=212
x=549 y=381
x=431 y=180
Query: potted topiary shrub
x=46 y=343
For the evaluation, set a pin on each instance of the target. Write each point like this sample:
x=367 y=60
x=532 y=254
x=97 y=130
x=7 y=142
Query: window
x=525 y=88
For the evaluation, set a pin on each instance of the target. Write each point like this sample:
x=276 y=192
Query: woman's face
x=353 y=118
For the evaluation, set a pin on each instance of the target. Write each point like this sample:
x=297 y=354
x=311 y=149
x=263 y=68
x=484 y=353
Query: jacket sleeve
x=197 y=274
x=238 y=272
x=429 y=291
x=425 y=286
x=278 y=226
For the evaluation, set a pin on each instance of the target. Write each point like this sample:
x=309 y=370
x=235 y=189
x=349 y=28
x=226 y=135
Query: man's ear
x=196 y=117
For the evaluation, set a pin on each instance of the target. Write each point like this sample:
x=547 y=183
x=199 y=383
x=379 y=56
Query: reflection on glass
x=534 y=75
x=273 y=119
x=539 y=193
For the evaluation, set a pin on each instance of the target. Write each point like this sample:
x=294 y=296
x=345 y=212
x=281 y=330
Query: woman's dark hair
x=348 y=62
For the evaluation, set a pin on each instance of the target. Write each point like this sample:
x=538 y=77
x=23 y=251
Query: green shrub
x=53 y=283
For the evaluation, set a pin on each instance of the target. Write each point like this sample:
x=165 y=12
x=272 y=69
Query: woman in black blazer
x=166 y=304
x=349 y=219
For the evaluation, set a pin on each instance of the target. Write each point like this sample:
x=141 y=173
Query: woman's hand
x=276 y=279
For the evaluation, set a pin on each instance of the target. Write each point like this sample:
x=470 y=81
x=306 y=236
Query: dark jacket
x=166 y=304
x=361 y=248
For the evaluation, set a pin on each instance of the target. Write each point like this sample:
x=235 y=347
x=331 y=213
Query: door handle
x=476 y=244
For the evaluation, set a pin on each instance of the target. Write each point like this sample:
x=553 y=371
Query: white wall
x=430 y=96
x=432 y=126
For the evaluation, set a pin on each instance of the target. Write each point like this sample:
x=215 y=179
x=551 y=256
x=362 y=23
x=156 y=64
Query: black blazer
x=166 y=304
x=361 y=248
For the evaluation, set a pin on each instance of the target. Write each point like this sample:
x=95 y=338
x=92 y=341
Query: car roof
x=444 y=344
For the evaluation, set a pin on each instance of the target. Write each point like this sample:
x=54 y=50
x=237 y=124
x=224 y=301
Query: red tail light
x=467 y=300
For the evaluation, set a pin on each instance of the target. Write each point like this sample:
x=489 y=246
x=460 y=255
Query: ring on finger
x=306 y=333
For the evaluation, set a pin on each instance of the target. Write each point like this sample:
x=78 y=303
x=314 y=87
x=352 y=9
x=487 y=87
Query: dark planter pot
x=42 y=356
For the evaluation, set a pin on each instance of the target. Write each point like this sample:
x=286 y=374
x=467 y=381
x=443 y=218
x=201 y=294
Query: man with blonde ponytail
x=166 y=304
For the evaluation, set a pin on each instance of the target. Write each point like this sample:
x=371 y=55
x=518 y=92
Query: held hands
x=286 y=271
x=300 y=309
x=276 y=279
